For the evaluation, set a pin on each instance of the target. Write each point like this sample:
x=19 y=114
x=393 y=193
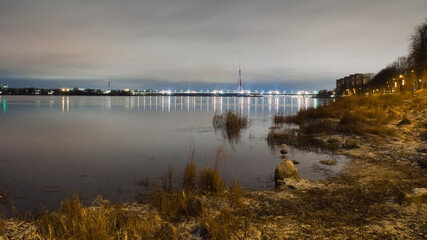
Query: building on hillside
x=352 y=84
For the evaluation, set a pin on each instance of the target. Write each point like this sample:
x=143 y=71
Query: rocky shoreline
x=381 y=194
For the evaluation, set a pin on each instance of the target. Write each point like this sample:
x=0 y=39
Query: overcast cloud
x=197 y=43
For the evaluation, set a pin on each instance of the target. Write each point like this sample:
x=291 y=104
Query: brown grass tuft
x=190 y=177
x=355 y=115
x=231 y=124
x=168 y=179
x=172 y=205
x=100 y=221
x=210 y=181
x=225 y=225
x=279 y=119
x=235 y=194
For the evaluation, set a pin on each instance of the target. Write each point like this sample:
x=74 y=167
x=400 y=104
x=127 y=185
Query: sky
x=197 y=44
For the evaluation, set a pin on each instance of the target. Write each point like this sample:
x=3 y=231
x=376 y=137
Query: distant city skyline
x=188 y=44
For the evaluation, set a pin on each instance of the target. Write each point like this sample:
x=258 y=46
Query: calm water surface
x=51 y=145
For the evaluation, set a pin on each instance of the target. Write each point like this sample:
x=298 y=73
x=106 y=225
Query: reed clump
x=171 y=205
x=172 y=202
x=210 y=181
x=279 y=118
x=168 y=179
x=190 y=200
x=235 y=194
x=231 y=124
x=232 y=221
x=190 y=176
x=355 y=115
x=225 y=225
x=102 y=220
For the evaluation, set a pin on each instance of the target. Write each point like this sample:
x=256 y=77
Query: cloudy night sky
x=180 y=44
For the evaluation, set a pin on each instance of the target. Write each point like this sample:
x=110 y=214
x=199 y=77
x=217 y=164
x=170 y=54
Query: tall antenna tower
x=239 y=83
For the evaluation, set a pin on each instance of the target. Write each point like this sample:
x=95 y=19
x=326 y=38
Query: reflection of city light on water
x=65 y=104
x=4 y=105
x=188 y=104
x=268 y=105
x=276 y=102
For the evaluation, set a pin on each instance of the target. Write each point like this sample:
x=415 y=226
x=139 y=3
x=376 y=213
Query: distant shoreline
x=179 y=94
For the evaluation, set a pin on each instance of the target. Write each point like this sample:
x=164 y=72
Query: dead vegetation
x=194 y=200
x=356 y=115
x=230 y=124
x=101 y=220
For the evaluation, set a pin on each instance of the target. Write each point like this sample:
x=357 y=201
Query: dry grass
x=188 y=202
x=355 y=115
x=235 y=194
x=226 y=225
x=298 y=138
x=210 y=181
x=190 y=176
x=171 y=205
x=190 y=173
x=232 y=221
x=102 y=220
x=231 y=124
x=279 y=119
x=168 y=179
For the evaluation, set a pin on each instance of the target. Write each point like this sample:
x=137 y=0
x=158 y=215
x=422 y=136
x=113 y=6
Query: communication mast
x=239 y=83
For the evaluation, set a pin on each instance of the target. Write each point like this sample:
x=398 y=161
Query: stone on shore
x=285 y=170
x=283 y=151
x=329 y=162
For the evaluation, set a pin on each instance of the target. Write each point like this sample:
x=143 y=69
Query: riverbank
x=378 y=195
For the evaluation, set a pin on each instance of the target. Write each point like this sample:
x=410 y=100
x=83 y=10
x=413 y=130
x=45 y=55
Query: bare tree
x=418 y=54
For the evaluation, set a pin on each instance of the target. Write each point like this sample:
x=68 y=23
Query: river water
x=117 y=146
